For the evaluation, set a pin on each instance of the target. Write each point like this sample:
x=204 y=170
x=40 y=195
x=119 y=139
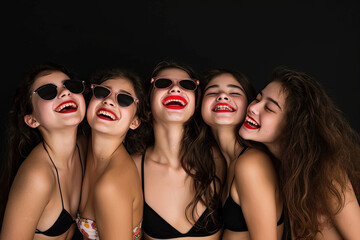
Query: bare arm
x=29 y=195
x=256 y=187
x=347 y=221
x=113 y=204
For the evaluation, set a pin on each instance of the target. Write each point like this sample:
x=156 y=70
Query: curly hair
x=21 y=139
x=196 y=160
x=131 y=142
x=320 y=153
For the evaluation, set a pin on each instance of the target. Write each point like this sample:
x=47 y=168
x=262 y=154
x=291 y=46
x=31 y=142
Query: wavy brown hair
x=196 y=160
x=320 y=153
x=21 y=139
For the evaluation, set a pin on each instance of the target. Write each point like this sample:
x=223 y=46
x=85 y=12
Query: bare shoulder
x=113 y=188
x=35 y=174
x=118 y=179
x=254 y=163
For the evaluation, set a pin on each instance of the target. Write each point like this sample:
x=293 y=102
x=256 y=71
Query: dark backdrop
x=318 y=37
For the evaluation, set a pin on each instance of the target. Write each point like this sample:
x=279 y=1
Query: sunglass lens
x=101 y=92
x=163 y=83
x=74 y=86
x=47 y=92
x=188 y=84
x=124 y=100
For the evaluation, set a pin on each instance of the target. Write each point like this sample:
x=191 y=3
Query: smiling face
x=172 y=104
x=66 y=109
x=265 y=118
x=107 y=116
x=224 y=101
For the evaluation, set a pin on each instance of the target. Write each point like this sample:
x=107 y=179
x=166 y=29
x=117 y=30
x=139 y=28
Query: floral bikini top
x=88 y=228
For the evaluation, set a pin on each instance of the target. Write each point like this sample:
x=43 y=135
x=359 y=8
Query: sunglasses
x=49 y=91
x=123 y=99
x=186 y=84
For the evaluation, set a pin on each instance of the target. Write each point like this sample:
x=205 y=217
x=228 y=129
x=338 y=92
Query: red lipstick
x=67 y=107
x=106 y=114
x=174 y=102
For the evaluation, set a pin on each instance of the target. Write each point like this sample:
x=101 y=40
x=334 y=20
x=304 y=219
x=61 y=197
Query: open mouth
x=223 y=107
x=174 y=102
x=67 y=107
x=250 y=123
x=106 y=114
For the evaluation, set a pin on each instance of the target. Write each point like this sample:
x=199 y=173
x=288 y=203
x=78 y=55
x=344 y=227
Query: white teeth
x=174 y=100
x=70 y=104
x=223 y=107
x=251 y=121
x=105 y=113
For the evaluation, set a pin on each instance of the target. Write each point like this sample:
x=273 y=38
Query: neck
x=274 y=149
x=226 y=139
x=61 y=143
x=104 y=145
x=168 y=140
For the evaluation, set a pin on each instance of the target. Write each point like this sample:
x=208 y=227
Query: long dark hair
x=21 y=139
x=320 y=153
x=131 y=141
x=196 y=160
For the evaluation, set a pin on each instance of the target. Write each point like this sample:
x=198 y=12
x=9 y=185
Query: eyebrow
x=229 y=85
x=123 y=91
x=271 y=100
x=120 y=91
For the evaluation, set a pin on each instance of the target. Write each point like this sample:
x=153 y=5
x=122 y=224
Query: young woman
x=46 y=155
x=318 y=151
x=179 y=178
x=111 y=202
x=253 y=207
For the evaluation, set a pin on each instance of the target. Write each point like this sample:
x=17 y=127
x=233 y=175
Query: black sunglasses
x=123 y=99
x=187 y=84
x=49 y=91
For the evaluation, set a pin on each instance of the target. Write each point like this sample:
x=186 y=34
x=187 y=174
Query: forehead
x=55 y=77
x=223 y=80
x=275 y=91
x=173 y=73
x=118 y=84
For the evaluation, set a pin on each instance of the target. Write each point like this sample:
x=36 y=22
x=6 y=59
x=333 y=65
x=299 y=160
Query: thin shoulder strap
x=142 y=174
x=242 y=151
x=57 y=174
x=81 y=164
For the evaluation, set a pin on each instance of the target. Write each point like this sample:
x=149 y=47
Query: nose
x=222 y=97
x=175 y=88
x=63 y=91
x=254 y=107
x=110 y=100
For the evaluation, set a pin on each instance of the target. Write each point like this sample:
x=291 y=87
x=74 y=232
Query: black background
x=320 y=38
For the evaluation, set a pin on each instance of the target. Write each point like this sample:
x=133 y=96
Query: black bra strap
x=242 y=151
x=81 y=164
x=57 y=174
x=142 y=174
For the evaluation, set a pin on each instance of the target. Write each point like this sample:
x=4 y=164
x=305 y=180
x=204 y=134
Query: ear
x=31 y=121
x=135 y=123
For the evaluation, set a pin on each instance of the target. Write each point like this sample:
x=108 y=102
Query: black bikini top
x=65 y=220
x=156 y=227
x=233 y=216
